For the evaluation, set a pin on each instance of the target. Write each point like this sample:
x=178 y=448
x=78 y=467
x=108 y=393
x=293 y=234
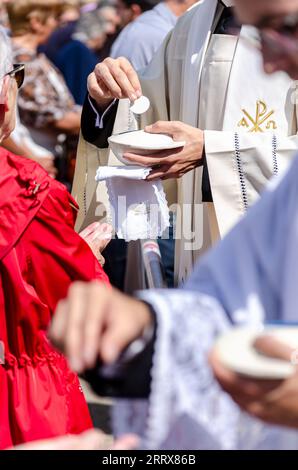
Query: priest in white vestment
x=210 y=79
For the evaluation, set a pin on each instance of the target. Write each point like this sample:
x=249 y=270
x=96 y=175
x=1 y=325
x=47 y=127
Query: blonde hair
x=20 y=13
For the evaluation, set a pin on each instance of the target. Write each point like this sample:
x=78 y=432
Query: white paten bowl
x=235 y=349
x=141 y=143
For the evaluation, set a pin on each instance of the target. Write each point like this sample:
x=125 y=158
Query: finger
x=236 y=384
x=158 y=173
x=228 y=379
x=103 y=243
x=118 y=334
x=272 y=347
x=89 y=440
x=103 y=73
x=94 y=320
x=106 y=228
x=57 y=328
x=258 y=410
x=102 y=233
x=128 y=442
x=88 y=230
x=144 y=160
x=121 y=78
x=97 y=90
x=131 y=75
x=92 y=440
x=164 y=127
x=78 y=293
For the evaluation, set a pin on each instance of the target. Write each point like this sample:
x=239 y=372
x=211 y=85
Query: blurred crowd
x=60 y=42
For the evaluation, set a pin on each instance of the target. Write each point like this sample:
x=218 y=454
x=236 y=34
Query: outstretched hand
x=95 y=321
x=172 y=163
x=273 y=401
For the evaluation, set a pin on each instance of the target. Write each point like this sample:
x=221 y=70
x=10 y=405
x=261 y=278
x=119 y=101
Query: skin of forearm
x=71 y=122
x=10 y=145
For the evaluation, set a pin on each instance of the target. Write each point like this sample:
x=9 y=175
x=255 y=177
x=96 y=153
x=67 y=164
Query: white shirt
x=139 y=40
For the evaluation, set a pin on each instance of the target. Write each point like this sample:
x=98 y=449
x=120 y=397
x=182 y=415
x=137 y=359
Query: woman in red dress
x=40 y=255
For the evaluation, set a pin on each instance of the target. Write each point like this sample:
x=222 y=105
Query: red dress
x=40 y=255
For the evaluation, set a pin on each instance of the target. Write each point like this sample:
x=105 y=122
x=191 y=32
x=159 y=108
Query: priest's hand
x=273 y=401
x=173 y=163
x=113 y=78
x=95 y=321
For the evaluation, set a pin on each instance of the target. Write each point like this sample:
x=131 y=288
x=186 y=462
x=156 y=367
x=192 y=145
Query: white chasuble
x=259 y=114
x=190 y=79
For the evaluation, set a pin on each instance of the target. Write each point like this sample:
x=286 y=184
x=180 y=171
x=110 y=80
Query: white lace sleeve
x=186 y=408
x=181 y=380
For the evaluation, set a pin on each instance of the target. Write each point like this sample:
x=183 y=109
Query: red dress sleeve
x=56 y=254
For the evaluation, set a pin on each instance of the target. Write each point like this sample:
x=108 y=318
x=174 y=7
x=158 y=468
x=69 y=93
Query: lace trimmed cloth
x=138 y=208
x=186 y=408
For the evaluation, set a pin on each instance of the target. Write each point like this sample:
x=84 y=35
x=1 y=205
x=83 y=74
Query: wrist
x=146 y=316
x=201 y=152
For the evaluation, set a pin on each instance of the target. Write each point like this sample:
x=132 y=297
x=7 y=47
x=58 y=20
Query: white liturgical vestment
x=249 y=120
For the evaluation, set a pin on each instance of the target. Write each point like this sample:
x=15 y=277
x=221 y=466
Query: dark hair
x=144 y=4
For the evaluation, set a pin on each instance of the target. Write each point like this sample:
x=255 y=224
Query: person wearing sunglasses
x=20 y=142
x=17 y=73
x=40 y=255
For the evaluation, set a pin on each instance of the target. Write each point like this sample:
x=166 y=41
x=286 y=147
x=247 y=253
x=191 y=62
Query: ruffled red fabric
x=40 y=255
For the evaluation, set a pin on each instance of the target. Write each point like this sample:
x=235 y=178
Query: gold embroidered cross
x=261 y=117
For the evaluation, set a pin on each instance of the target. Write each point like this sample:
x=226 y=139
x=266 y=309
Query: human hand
x=113 y=78
x=88 y=440
x=48 y=163
x=172 y=163
x=98 y=236
x=95 y=321
x=273 y=401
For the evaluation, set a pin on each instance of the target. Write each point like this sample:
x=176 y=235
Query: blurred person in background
x=21 y=142
x=70 y=11
x=130 y=10
x=94 y=28
x=75 y=47
x=46 y=105
x=88 y=5
x=113 y=24
x=40 y=256
x=74 y=59
x=140 y=39
x=3 y=14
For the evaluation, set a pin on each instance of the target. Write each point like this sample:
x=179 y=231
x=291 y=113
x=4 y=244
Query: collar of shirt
x=163 y=10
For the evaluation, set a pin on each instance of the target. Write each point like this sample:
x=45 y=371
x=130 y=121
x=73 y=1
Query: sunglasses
x=18 y=73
